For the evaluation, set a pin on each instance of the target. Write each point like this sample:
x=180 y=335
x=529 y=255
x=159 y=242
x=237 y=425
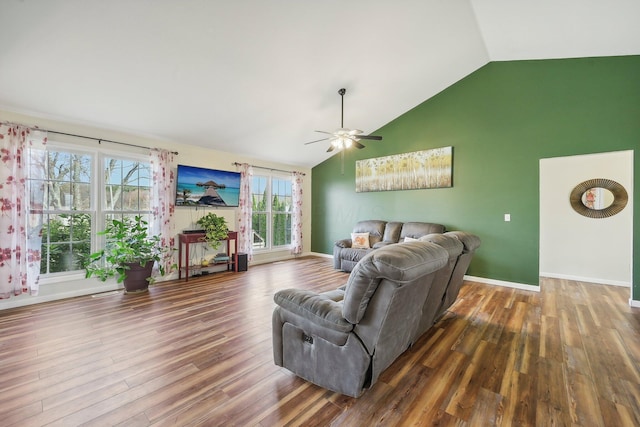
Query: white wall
x=184 y=217
x=576 y=247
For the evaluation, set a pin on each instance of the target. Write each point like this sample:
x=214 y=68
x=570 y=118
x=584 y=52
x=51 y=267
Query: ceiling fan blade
x=330 y=149
x=372 y=137
x=317 y=140
x=324 y=131
x=357 y=144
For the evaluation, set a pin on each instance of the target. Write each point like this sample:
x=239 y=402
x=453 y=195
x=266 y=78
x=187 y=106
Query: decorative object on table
x=221 y=257
x=215 y=229
x=408 y=171
x=129 y=254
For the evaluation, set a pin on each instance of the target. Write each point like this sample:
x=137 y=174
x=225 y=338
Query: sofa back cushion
x=374 y=227
x=392 y=232
x=397 y=263
x=419 y=229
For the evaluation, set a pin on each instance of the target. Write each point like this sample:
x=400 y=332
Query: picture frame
x=431 y=168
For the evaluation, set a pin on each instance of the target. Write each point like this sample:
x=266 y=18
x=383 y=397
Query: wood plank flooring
x=199 y=354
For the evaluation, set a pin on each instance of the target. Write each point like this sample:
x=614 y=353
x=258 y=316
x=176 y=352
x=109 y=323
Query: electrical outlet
x=507 y=217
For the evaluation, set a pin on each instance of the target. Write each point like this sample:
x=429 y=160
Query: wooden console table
x=188 y=239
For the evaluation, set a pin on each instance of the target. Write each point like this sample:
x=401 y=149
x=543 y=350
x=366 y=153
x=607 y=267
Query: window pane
x=59 y=166
x=83 y=168
x=281 y=195
x=113 y=196
x=130 y=198
x=58 y=255
x=259 y=226
x=128 y=186
x=64 y=170
x=144 y=174
x=66 y=242
x=59 y=195
x=259 y=194
x=38 y=198
x=112 y=171
x=81 y=196
x=281 y=229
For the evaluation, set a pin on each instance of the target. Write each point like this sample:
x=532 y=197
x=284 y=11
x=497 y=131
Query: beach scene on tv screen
x=206 y=187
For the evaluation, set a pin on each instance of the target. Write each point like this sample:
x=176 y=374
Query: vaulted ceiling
x=257 y=77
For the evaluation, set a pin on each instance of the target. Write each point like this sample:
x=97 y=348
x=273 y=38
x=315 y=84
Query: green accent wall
x=501 y=120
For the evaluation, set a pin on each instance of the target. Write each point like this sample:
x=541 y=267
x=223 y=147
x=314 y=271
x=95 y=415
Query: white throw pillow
x=360 y=240
x=410 y=239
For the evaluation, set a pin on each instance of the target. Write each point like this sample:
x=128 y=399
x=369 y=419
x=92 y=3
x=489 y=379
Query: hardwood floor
x=200 y=354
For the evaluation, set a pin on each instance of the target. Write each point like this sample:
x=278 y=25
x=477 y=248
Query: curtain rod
x=100 y=139
x=269 y=169
x=90 y=137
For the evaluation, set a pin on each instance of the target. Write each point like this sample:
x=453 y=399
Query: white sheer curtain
x=22 y=155
x=162 y=201
x=296 y=214
x=245 y=230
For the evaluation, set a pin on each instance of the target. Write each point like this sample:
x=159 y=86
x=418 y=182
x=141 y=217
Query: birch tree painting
x=407 y=171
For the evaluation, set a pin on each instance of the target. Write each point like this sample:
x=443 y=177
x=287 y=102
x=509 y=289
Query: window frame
x=97 y=212
x=270 y=213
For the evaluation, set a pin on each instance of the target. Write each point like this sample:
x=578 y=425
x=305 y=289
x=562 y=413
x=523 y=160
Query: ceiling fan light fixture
x=344 y=138
x=341 y=142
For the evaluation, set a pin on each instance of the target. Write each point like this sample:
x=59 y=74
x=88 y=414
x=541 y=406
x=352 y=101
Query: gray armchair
x=343 y=340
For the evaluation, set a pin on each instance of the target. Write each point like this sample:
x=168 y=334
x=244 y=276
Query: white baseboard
x=44 y=296
x=318 y=254
x=504 y=283
x=587 y=279
x=634 y=303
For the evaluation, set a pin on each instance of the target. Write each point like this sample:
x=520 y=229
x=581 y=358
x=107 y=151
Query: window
x=78 y=201
x=271 y=211
x=67 y=210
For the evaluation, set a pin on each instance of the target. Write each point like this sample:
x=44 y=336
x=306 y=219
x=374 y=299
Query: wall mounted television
x=207 y=187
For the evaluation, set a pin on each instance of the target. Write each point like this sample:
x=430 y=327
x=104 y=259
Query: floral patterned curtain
x=163 y=190
x=296 y=215
x=245 y=230
x=21 y=202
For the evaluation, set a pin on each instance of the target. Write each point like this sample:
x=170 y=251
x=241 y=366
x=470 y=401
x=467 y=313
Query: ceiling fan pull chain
x=342 y=92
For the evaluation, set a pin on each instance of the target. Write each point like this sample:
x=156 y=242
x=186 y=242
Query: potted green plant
x=215 y=229
x=128 y=255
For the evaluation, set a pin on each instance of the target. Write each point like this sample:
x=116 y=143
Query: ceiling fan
x=344 y=138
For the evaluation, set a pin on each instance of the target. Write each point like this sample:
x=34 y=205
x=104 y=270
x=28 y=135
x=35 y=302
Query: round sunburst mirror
x=598 y=198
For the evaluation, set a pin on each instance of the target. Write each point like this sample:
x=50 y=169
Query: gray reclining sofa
x=346 y=253
x=344 y=339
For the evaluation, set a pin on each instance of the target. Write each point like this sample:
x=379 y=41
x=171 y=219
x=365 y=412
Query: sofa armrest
x=316 y=308
x=344 y=243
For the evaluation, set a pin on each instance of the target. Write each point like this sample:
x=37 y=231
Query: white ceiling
x=257 y=77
